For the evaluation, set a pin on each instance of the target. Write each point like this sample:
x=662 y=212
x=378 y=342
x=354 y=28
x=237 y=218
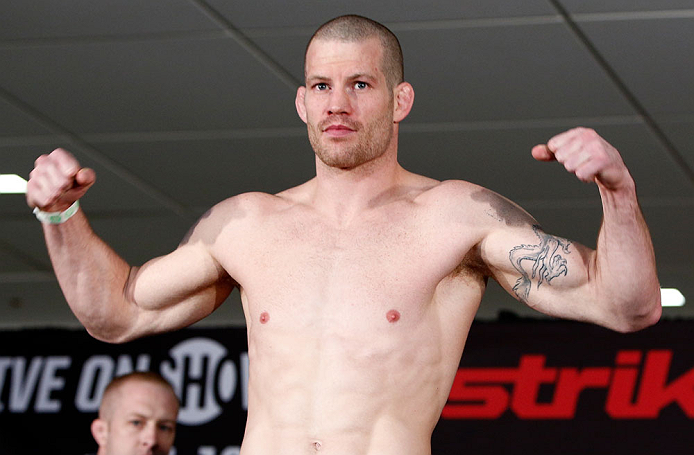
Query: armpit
x=472 y=265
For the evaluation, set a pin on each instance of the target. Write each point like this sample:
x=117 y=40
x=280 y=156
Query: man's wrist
x=57 y=217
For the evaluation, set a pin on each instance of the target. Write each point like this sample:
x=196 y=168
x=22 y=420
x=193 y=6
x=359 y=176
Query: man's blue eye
x=321 y=86
x=360 y=85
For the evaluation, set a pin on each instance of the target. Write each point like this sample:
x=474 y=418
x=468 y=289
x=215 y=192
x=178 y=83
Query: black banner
x=548 y=387
x=51 y=383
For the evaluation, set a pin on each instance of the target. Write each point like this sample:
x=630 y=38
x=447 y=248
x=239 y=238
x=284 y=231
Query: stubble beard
x=373 y=141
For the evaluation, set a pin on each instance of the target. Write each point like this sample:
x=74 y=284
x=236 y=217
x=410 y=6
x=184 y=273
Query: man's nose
x=148 y=436
x=340 y=102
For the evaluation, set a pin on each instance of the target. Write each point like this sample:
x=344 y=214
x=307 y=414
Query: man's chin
x=337 y=163
x=344 y=162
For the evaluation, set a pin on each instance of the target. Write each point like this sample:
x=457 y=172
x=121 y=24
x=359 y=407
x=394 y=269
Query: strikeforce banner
x=523 y=386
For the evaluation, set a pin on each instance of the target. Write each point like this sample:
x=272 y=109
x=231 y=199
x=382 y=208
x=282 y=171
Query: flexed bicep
x=176 y=290
x=540 y=262
x=546 y=272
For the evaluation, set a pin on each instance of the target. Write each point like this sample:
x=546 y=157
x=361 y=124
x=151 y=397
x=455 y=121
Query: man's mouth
x=339 y=130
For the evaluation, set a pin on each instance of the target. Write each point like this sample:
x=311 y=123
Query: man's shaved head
x=354 y=28
x=112 y=391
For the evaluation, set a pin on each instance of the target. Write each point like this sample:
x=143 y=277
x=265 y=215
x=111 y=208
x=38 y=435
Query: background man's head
x=137 y=415
x=354 y=28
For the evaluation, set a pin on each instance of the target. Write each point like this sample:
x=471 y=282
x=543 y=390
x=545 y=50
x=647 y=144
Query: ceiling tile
x=603 y=6
x=148 y=86
x=10 y=263
x=205 y=172
x=671 y=229
x=14 y=122
x=287 y=50
x=313 y=13
x=139 y=239
x=71 y=18
x=680 y=133
x=18 y=160
x=38 y=304
x=524 y=72
x=653 y=58
x=501 y=160
x=22 y=238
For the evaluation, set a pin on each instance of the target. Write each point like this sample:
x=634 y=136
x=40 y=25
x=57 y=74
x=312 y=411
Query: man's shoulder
x=253 y=200
x=454 y=192
x=235 y=210
x=466 y=201
x=247 y=206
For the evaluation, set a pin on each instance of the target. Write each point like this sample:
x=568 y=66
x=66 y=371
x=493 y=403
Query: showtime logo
x=204 y=378
x=634 y=391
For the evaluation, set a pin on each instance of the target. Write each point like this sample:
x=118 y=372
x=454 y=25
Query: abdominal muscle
x=333 y=387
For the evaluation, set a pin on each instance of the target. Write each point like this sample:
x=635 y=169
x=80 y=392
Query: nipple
x=264 y=317
x=393 y=316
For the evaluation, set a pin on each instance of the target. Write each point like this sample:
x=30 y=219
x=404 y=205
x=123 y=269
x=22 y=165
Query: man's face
x=142 y=421
x=346 y=104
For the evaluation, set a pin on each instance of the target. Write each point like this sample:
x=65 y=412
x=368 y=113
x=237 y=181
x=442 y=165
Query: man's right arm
x=114 y=301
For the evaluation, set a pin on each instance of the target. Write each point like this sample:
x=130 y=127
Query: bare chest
x=363 y=270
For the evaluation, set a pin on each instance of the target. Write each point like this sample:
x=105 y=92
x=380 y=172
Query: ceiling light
x=12 y=184
x=671 y=297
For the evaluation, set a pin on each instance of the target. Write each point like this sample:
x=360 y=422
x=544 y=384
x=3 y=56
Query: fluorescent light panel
x=12 y=184
x=671 y=297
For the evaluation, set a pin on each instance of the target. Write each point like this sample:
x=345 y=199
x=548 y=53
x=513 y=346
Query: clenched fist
x=587 y=155
x=57 y=181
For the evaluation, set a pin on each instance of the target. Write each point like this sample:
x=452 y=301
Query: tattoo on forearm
x=547 y=263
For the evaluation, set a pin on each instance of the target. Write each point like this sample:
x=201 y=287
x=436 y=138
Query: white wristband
x=57 y=217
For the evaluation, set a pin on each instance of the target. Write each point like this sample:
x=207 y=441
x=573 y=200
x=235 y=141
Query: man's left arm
x=615 y=285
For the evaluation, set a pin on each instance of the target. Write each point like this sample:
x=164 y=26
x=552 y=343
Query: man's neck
x=343 y=194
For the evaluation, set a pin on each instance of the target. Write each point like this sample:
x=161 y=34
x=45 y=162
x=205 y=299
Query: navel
x=393 y=316
x=264 y=317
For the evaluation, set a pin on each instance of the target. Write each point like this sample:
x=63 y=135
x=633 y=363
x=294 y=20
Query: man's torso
x=355 y=329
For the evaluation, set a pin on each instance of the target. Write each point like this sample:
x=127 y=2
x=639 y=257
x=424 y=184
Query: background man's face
x=142 y=420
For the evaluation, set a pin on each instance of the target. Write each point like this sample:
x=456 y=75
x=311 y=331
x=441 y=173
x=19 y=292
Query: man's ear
x=299 y=102
x=403 y=100
x=100 y=432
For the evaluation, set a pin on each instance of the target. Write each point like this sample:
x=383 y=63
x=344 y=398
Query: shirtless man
x=137 y=416
x=360 y=285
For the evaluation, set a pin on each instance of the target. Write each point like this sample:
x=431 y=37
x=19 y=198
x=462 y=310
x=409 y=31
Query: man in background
x=137 y=416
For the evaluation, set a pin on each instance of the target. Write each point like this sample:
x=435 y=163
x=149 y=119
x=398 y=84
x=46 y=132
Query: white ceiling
x=178 y=104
